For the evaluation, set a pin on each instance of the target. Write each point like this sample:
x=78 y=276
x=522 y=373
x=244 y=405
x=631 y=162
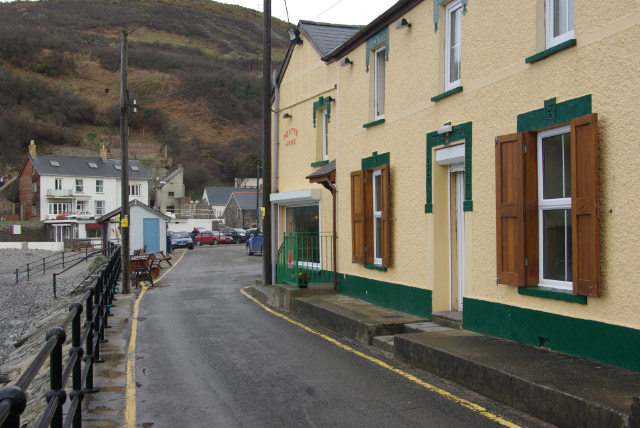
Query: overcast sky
x=357 y=12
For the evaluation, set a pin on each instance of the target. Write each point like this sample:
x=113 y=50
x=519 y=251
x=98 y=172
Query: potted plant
x=303 y=279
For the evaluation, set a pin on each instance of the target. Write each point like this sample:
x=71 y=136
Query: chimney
x=32 y=149
x=103 y=152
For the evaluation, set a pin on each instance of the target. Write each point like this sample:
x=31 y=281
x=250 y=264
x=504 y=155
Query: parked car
x=205 y=237
x=238 y=235
x=254 y=244
x=82 y=215
x=181 y=239
x=221 y=238
x=63 y=215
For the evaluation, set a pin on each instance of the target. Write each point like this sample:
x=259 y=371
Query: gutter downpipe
x=334 y=192
x=274 y=181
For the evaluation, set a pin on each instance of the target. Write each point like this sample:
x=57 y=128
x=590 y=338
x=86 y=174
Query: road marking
x=130 y=390
x=449 y=396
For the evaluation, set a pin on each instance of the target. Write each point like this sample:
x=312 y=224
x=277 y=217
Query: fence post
x=17 y=401
x=63 y=259
x=86 y=254
x=54 y=285
x=44 y=266
x=16 y=275
x=55 y=373
x=28 y=272
x=76 y=346
x=89 y=357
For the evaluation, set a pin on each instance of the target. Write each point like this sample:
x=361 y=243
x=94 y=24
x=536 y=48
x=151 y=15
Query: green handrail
x=305 y=258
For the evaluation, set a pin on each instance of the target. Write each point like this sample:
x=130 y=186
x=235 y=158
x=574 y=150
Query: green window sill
x=319 y=163
x=374 y=123
x=376 y=267
x=446 y=94
x=548 y=52
x=552 y=293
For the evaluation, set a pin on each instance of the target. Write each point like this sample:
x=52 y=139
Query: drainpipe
x=334 y=193
x=274 y=180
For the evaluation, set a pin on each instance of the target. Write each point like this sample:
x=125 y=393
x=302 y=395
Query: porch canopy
x=324 y=173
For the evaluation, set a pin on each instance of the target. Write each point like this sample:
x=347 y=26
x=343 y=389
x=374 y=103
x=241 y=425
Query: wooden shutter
x=584 y=206
x=357 y=216
x=385 y=215
x=510 y=209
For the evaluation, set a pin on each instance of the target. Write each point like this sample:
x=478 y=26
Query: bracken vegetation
x=195 y=71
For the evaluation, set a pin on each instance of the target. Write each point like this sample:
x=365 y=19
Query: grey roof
x=135 y=202
x=169 y=177
x=327 y=37
x=324 y=170
x=247 y=200
x=221 y=195
x=79 y=167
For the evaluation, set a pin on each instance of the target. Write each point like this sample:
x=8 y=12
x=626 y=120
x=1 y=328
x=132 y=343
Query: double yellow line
x=130 y=389
x=446 y=394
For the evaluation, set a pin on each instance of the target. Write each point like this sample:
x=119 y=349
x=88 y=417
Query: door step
x=452 y=319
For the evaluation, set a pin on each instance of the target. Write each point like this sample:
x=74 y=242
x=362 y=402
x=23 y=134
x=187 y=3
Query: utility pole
x=258 y=195
x=124 y=163
x=266 y=142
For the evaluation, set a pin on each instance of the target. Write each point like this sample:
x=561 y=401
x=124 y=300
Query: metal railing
x=186 y=213
x=51 y=262
x=96 y=303
x=305 y=259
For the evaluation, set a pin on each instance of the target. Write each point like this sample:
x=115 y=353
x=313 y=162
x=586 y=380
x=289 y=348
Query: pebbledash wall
x=498 y=86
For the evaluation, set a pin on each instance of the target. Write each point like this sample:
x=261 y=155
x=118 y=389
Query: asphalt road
x=207 y=356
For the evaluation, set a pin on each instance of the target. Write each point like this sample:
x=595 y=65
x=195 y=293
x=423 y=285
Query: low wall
x=49 y=246
x=32 y=231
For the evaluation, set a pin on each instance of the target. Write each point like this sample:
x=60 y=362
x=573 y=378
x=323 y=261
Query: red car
x=212 y=238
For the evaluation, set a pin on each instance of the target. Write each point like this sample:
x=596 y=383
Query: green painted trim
x=554 y=113
x=458 y=132
x=436 y=11
x=376 y=267
x=375 y=122
x=552 y=293
x=376 y=160
x=446 y=94
x=319 y=163
x=548 y=52
x=377 y=40
x=607 y=343
x=411 y=300
x=321 y=103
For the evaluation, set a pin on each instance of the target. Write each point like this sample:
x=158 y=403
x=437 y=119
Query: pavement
x=558 y=388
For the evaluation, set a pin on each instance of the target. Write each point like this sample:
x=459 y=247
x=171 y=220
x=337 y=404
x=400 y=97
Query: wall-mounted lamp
x=294 y=36
x=445 y=129
x=329 y=99
x=286 y=116
x=403 y=23
x=346 y=61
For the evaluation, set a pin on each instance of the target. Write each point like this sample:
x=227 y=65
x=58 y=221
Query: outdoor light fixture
x=403 y=23
x=346 y=61
x=444 y=129
x=294 y=36
x=329 y=99
x=286 y=116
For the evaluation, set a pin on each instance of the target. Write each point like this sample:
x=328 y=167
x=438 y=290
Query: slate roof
x=79 y=167
x=169 y=177
x=247 y=200
x=221 y=195
x=324 y=170
x=327 y=37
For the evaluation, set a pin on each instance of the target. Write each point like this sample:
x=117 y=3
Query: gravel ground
x=24 y=307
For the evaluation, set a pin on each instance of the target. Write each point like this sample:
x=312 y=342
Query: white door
x=456 y=236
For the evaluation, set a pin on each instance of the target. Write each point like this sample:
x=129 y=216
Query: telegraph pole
x=124 y=163
x=266 y=142
x=258 y=195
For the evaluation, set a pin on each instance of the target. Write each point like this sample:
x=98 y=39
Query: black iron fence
x=49 y=263
x=96 y=303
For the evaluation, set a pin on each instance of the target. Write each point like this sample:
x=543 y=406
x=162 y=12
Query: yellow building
x=484 y=164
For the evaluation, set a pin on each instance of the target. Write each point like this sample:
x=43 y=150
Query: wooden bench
x=140 y=270
x=161 y=257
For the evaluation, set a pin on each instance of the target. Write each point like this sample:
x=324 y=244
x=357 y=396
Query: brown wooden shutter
x=510 y=209
x=357 y=216
x=584 y=206
x=368 y=217
x=385 y=215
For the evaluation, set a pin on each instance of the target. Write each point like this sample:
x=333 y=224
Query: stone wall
x=32 y=231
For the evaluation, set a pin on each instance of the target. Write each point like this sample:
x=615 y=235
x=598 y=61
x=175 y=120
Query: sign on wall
x=16 y=229
x=290 y=136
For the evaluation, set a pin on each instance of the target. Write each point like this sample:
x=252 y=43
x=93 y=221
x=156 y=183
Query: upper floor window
x=79 y=186
x=99 y=186
x=325 y=137
x=453 y=27
x=34 y=186
x=135 y=189
x=58 y=183
x=171 y=193
x=558 y=21
x=99 y=207
x=379 y=64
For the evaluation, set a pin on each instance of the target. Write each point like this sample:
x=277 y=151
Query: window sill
x=376 y=267
x=446 y=94
x=319 y=163
x=374 y=123
x=548 y=52
x=552 y=293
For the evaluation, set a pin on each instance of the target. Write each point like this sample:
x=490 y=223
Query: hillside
x=194 y=69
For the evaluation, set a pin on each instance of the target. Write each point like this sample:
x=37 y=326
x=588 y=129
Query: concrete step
x=351 y=317
x=280 y=295
x=384 y=343
x=558 y=388
x=421 y=327
x=452 y=319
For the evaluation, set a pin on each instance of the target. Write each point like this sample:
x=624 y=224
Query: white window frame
x=376 y=77
x=549 y=22
x=58 y=183
x=377 y=217
x=549 y=204
x=99 y=210
x=453 y=7
x=303 y=264
x=56 y=208
x=81 y=205
x=325 y=141
x=135 y=189
x=79 y=185
x=99 y=186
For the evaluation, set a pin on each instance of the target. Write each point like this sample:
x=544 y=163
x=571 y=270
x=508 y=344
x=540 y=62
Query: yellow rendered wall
x=498 y=85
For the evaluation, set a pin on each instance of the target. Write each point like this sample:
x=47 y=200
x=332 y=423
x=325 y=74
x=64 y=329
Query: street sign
x=124 y=222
